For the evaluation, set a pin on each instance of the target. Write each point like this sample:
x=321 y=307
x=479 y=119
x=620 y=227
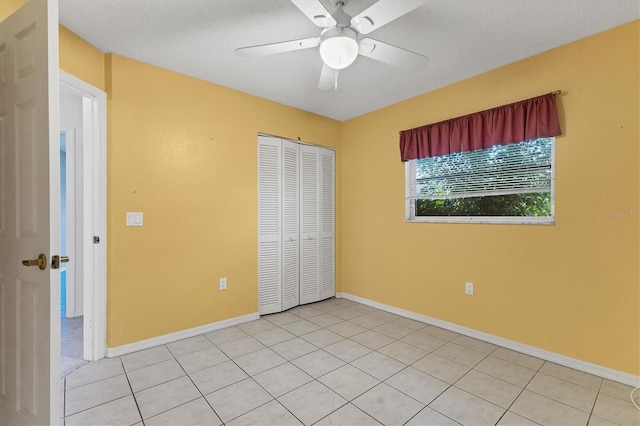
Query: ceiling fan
x=341 y=41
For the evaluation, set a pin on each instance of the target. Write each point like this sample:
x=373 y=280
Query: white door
x=327 y=223
x=29 y=215
x=309 y=225
x=269 y=231
x=290 y=225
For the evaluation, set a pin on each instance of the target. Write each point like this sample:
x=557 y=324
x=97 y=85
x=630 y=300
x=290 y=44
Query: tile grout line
x=102 y=403
x=186 y=375
x=193 y=383
x=99 y=405
x=452 y=384
x=105 y=402
x=593 y=406
x=522 y=391
x=433 y=352
x=384 y=381
x=460 y=378
x=313 y=379
x=133 y=395
x=560 y=402
x=248 y=377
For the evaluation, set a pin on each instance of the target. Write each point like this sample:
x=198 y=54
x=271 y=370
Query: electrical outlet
x=468 y=288
x=223 y=283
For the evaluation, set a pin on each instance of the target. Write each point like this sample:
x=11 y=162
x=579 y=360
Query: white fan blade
x=391 y=55
x=328 y=78
x=285 y=46
x=383 y=12
x=315 y=11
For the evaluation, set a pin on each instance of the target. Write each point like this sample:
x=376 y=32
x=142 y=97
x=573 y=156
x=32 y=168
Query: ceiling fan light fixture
x=339 y=47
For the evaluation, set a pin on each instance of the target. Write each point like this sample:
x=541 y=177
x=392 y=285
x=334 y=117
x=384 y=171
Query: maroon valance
x=517 y=122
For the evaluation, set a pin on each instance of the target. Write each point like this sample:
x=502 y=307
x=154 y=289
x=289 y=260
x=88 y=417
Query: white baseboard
x=598 y=370
x=179 y=335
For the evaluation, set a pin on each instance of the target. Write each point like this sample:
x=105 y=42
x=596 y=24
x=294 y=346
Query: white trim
x=506 y=220
x=587 y=367
x=179 y=335
x=553 y=180
x=94 y=105
x=87 y=273
x=100 y=223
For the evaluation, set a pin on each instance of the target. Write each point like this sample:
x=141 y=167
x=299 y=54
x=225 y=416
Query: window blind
x=502 y=169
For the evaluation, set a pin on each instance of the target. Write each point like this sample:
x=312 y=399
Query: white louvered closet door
x=290 y=224
x=269 y=232
x=309 y=224
x=327 y=223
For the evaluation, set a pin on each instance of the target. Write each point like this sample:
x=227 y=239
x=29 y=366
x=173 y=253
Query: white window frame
x=410 y=177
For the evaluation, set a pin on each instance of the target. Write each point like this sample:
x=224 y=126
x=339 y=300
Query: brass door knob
x=40 y=262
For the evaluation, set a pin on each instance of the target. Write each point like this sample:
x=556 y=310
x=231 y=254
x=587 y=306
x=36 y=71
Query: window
x=503 y=184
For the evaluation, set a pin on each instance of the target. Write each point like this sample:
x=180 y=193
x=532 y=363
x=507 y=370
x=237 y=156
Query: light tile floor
x=337 y=362
x=71 y=345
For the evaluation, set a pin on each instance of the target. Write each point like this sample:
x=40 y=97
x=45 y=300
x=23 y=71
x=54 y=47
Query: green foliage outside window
x=498 y=205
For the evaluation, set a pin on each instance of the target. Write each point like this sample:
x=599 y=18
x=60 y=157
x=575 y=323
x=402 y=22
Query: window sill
x=520 y=220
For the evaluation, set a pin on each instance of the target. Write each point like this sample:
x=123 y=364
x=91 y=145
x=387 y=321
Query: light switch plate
x=468 y=288
x=134 y=218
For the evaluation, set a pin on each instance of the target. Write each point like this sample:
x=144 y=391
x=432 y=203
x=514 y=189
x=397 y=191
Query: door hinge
x=96 y=240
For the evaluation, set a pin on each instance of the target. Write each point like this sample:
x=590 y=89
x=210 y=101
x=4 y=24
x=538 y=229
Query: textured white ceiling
x=462 y=38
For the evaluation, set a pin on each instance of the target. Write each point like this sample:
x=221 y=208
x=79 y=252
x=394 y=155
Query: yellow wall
x=7 y=7
x=81 y=59
x=571 y=288
x=184 y=152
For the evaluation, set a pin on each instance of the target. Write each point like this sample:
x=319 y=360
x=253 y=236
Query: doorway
x=83 y=222
x=71 y=319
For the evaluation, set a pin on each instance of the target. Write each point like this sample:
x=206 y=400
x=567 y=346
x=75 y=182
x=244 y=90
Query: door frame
x=94 y=205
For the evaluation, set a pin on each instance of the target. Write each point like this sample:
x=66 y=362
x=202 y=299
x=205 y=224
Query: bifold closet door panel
x=290 y=224
x=327 y=223
x=296 y=224
x=269 y=230
x=309 y=224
